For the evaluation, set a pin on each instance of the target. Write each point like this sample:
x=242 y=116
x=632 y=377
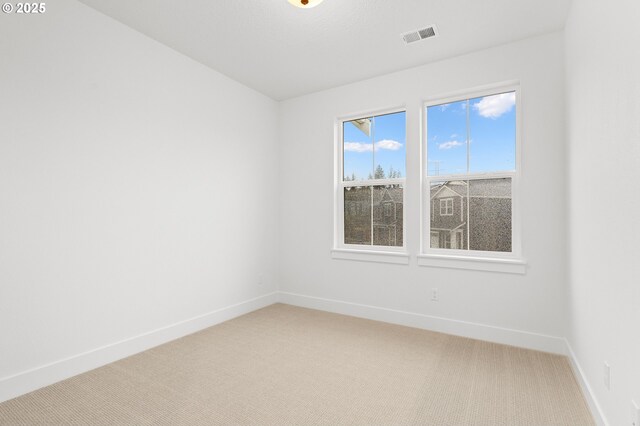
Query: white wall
x=138 y=188
x=535 y=302
x=603 y=99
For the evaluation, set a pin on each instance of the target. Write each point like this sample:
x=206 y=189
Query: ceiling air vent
x=421 y=34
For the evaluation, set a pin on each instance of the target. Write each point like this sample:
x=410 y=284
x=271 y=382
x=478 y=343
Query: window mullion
x=468 y=218
x=468 y=138
x=373 y=168
x=371 y=211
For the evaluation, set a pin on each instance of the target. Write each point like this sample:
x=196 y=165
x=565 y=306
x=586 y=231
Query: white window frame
x=510 y=262
x=448 y=205
x=340 y=250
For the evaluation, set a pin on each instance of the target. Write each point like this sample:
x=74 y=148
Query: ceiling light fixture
x=305 y=4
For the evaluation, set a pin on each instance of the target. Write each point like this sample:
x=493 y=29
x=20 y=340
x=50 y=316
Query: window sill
x=508 y=266
x=398 y=258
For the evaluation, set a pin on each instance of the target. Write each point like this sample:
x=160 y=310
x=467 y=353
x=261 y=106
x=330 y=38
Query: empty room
x=320 y=212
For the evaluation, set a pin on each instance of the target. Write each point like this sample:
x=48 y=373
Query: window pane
x=447 y=139
x=490 y=215
x=492 y=128
x=358 y=149
x=357 y=215
x=387 y=215
x=389 y=145
x=485 y=226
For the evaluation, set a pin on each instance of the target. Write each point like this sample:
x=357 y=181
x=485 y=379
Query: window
x=388 y=209
x=470 y=163
x=446 y=207
x=371 y=183
x=470 y=176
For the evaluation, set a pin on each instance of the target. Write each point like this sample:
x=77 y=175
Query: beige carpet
x=287 y=365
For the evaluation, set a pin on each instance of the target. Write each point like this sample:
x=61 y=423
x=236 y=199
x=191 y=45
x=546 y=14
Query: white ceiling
x=283 y=51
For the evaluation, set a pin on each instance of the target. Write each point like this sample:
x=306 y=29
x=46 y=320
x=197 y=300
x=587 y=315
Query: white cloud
x=357 y=147
x=496 y=105
x=453 y=136
x=450 y=144
x=387 y=144
x=444 y=107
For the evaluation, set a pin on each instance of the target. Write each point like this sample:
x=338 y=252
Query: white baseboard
x=505 y=336
x=522 y=339
x=594 y=407
x=27 y=381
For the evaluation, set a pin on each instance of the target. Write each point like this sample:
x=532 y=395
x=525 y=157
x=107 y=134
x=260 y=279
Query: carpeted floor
x=287 y=365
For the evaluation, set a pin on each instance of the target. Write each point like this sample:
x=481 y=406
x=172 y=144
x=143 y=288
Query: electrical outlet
x=434 y=294
x=635 y=414
x=607 y=375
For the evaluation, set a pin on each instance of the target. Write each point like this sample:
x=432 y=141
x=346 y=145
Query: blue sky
x=492 y=135
x=385 y=146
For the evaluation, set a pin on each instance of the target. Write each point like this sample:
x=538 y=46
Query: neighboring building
x=486 y=226
x=357 y=215
x=387 y=216
x=474 y=215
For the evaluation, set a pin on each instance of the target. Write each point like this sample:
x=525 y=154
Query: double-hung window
x=370 y=183
x=470 y=184
x=470 y=177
